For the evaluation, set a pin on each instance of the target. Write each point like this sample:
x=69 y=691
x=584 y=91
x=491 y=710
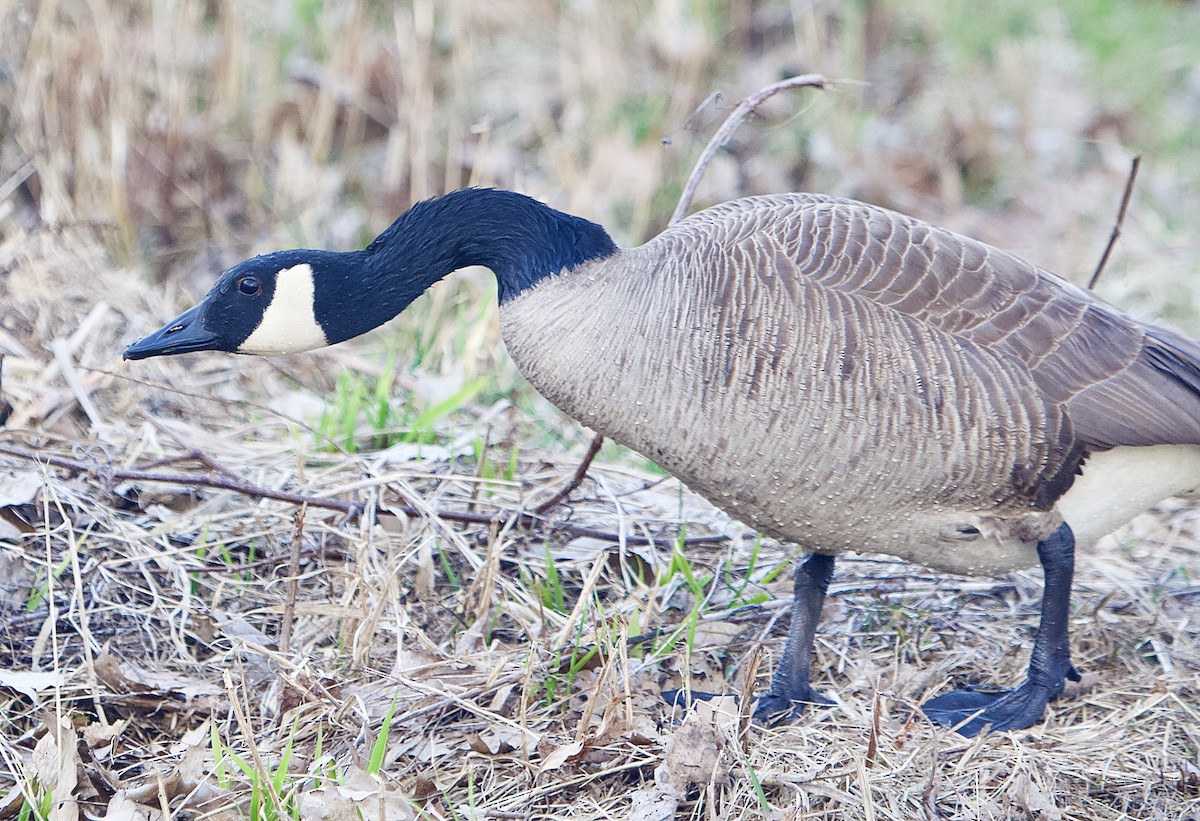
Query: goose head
x=265 y=305
x=293 y=301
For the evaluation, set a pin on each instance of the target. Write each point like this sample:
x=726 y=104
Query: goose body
x=834 y=374
x=845 y=378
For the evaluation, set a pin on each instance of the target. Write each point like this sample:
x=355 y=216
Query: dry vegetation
x=196 y=652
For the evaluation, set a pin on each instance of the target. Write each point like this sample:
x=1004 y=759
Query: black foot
x=1001 y=709
x=776 y=708
x=790 y=690
x=1049 y=664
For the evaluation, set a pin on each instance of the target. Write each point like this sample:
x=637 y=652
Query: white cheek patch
x=288 y=324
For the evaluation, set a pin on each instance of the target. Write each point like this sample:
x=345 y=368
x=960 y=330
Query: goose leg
x=1049 y=664
x=790 y=688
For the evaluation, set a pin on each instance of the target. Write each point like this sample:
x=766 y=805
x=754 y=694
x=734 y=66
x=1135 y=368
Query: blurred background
x=184 y=135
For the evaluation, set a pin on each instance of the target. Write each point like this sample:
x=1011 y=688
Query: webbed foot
x=979 y=708
x=775 y=708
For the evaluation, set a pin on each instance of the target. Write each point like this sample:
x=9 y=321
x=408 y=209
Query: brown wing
x=1123 y=382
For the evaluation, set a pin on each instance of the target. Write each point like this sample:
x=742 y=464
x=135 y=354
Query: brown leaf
x=56 y=767
x=98 y=735
x=123 y=808
x=126 y=677
x=363 y=797
x=502 y=738
x=191 y=779
x=561 y=755
x=1028 y=796
x=653 y=804
x=16 y=575
x=698 y=752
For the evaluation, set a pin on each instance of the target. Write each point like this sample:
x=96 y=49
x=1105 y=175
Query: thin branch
x=576 y=480
x=1116 y=231
x=350 y=508
x=198 y=456
x=725 y=132
x=292 y=585
x=187 y=479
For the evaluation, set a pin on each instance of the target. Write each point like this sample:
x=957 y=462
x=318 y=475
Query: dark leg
x=790 y=689
x=1049 y=664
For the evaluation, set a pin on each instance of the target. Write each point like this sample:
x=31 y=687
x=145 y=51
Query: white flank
x=1118 y=484
x=288 y=324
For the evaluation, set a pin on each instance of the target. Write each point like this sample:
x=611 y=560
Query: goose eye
x=249 y=286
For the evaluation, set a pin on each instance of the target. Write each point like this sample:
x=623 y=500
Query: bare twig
x=350 y=508
x=725 y=132
x=198 y=456
x=185 y=479
x=711 y=99
x=1116 y=231
x=576 y=480
x=293 y=585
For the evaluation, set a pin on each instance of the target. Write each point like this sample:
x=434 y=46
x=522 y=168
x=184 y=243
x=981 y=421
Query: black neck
x=521 y=240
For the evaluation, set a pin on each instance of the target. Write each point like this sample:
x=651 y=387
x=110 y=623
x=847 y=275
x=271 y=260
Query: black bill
x=183 y=334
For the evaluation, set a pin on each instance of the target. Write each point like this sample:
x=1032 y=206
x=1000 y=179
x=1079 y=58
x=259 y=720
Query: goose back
x=844 y=377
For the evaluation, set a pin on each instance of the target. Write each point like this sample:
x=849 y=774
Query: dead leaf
x=653 y=804
x=326 y=804
x=1028 y=796
x=640 y=728
x=16 y=576
x=432 y=748
x=504 y=739
x=56 y=767
x=191 y=779
x=698 y=752
x=716 y=633
x=363 y=797
x=10 y=804
x=721 y=712
x=29 y=683
x=560 y=756
x=19 y=487
x=128 y=678
x=98 y=735
x=123 y=808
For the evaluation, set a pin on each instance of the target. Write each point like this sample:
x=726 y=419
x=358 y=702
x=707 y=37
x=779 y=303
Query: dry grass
x=147 y=145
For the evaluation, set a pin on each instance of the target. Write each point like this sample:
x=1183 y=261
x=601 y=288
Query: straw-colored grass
x=202 y=653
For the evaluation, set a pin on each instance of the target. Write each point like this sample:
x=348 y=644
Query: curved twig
x=576 y=480
x=725 y=132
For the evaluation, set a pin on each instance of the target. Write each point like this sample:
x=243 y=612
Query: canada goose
x=836 y=375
